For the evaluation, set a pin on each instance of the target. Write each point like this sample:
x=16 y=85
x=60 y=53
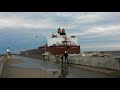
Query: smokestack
x=63 y=32
x=59 y=30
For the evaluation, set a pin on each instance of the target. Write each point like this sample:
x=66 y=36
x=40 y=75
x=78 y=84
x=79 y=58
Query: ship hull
x=55 y=50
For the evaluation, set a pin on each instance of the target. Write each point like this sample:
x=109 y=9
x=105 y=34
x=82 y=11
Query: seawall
x=1 y=64
x=101 y=62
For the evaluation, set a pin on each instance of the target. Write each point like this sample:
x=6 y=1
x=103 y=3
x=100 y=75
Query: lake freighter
x=56 y=44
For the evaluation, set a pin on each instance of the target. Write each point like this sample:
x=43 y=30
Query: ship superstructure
x=58 y=39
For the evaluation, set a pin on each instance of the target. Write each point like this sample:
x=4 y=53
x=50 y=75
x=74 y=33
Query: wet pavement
x=58 y=70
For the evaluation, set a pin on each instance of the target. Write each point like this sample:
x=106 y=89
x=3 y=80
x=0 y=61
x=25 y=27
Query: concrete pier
x=1 y=64
x=10 y=71
x=112 y=63
x=24 y=67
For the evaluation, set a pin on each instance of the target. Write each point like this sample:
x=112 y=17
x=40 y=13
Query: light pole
x=45 y=45
x=44 y=40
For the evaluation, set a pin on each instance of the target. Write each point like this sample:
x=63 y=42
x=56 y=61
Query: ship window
x=72 y=36
x=64 y=41
x=54 y=36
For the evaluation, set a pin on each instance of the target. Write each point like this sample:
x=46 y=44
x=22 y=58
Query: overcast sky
x=95 y=30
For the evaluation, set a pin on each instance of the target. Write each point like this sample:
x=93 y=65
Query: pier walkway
x=10 y=71
x=23 y=67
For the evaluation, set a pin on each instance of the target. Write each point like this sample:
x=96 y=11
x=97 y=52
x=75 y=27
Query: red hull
x=55 y=50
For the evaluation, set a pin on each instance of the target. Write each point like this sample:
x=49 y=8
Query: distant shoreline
x=1 y=55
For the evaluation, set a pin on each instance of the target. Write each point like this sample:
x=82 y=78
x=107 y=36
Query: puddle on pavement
x=50 y=68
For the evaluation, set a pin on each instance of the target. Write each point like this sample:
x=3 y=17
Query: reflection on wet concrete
x=50 y=68
x=64 y=71
x=58 y=70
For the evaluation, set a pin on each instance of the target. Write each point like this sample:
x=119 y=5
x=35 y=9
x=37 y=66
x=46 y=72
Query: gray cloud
x=88 y=26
